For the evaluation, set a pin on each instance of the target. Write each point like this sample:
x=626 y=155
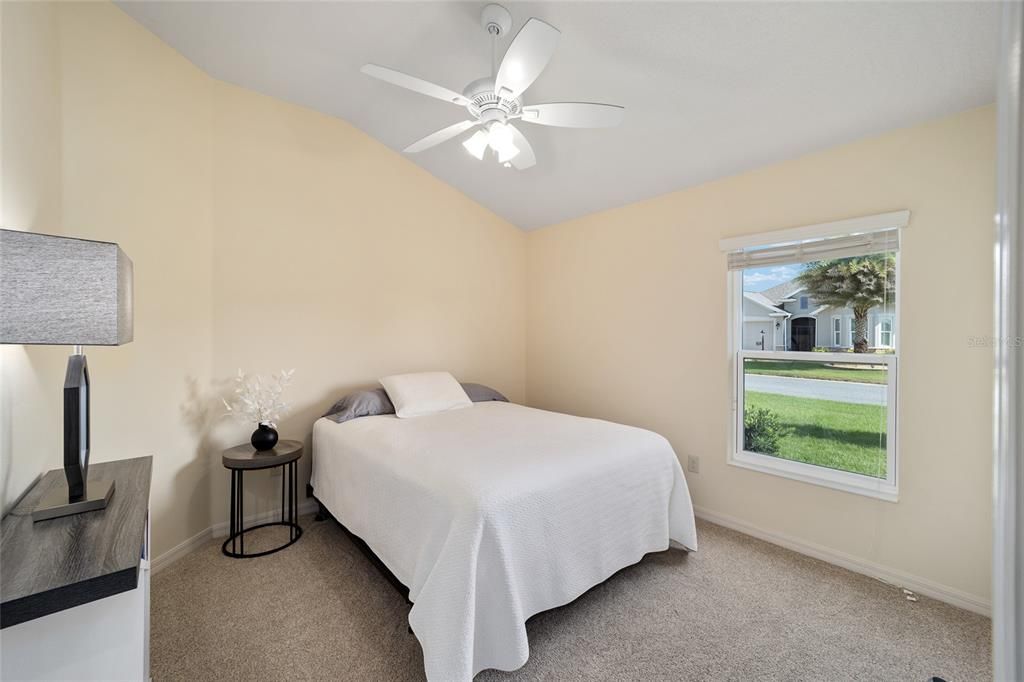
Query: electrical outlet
x=693 y=464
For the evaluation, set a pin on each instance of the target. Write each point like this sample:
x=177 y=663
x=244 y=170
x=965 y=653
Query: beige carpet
x=739 y=609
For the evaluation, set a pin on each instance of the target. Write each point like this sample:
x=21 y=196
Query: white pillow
x=414 y=395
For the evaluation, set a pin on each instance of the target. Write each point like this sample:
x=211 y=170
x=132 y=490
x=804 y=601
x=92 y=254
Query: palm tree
x=857 y=283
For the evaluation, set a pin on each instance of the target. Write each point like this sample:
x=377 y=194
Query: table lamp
x=73 y=292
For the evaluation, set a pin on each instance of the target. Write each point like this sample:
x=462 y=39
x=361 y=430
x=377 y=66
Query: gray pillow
x=370 y=402
x=361 y=404
x=479 y=393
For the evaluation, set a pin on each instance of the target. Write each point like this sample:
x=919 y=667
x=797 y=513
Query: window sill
x=815 y=475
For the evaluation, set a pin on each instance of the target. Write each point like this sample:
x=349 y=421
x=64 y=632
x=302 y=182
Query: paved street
x=843 y=391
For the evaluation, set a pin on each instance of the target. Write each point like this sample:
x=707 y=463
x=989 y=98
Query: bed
x=494 y=513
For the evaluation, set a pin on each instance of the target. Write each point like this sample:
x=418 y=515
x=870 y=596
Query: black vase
x=264 y=437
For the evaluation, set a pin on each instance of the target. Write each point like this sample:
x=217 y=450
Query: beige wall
x=263 y=236
x=137 y=171
x=107 y=136
x=627 y=321
x=30 y=153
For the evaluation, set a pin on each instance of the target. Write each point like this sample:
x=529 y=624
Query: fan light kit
x=494 y=102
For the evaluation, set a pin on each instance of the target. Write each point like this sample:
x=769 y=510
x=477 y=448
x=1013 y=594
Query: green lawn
x=813 y=370
x=828 y=433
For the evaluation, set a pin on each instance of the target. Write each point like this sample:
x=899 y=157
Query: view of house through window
x=816 y=362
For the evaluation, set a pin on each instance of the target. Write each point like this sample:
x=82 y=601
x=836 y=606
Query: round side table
x=242 y=458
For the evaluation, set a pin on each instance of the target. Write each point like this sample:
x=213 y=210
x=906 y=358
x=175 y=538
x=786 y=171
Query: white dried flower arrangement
x=259 y=400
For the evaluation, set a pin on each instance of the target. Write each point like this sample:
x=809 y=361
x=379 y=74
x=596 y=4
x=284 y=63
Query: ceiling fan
x=494 y=101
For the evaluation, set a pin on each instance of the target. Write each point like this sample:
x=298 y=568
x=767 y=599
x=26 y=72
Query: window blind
x=846 y=246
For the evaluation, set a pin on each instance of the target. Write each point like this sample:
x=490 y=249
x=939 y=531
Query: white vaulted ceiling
x=710 y=89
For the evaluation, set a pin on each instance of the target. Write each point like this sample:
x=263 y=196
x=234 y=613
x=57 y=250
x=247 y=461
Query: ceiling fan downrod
x=496 y=20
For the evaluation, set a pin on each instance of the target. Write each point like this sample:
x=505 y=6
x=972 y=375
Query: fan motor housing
x=486 y=105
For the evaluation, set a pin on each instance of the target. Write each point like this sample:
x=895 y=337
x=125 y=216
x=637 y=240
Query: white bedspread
x=496 y=512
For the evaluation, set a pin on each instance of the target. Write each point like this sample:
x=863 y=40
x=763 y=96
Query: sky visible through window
x=759 y=279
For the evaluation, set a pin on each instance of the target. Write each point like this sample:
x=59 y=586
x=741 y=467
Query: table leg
x=231 y=526
x=291 y=500
x=286 y=503
x=241 y=514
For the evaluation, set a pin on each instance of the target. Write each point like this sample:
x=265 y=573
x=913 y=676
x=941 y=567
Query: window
x=826 y=418
x=885 y=335
x=803 y=303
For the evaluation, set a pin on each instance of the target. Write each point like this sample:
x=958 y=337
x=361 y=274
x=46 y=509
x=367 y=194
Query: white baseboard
x=219 y=530
x=923 y=586
x=180 y=550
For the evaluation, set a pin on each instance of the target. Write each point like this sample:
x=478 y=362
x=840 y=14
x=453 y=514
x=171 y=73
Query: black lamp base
x=55 y=504
x=80 y=494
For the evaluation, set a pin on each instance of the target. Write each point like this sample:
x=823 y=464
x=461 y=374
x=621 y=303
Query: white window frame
x=849 y=331
x=837 y=334
x=886 y=489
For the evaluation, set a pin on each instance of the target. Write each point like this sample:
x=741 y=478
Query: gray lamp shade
x=63 y=291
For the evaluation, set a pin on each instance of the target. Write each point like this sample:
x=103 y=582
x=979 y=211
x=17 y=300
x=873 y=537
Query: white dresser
x=75 y=606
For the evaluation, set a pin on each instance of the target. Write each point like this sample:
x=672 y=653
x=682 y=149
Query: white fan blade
x=434 y=139
x=574 y=115
x=525 y=158
x=525 y=58
x=404 y=80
